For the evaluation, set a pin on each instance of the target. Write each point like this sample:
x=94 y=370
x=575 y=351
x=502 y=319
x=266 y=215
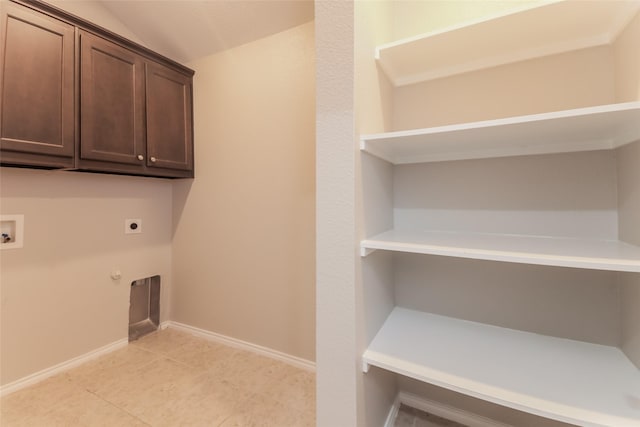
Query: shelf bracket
x=366 y=251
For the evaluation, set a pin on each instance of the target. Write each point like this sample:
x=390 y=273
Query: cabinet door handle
x=153 y=159
x=140 y=157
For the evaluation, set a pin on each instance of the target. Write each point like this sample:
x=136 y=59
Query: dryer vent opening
x=144 y=307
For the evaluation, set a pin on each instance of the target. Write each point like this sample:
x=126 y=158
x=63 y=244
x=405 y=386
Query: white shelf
x=566 y=380
x=593 y=128
x=539 y=250
x=531 y=32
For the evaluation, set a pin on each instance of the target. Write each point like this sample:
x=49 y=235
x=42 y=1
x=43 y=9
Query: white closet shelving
x=583 y=129
x=539 y=250
x=562 y=379
x=563 y=26
x=570 y=381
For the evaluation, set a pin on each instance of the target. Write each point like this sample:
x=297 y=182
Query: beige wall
x=412 y=17
x=244 y=228
x=243 y=235
x=57 y=296
x=627 y=60
x=582 y=78
x=95 y=12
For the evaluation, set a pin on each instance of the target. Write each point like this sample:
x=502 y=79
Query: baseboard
x=208 y=335
x=61 y=367
x=298 y=362
x=445 y=411
x=164 y=325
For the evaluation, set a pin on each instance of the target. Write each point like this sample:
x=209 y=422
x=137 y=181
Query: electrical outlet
x=132 y=226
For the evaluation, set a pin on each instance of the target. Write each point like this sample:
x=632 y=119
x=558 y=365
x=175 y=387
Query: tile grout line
x=118 y=407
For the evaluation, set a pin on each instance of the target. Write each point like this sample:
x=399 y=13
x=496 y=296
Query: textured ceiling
x=185 y=30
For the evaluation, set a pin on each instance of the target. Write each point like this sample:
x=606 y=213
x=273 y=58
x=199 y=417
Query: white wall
x=627 y=57
x=572 y=303
x=629 y=208
x=629 y=192
x=336 y=361
x=563 y=302
x=57 y=296
x=243 y=247
x=572 y=195
x=374 y=196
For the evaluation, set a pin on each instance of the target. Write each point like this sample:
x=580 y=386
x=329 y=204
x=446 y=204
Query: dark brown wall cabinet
x=37 y=117
x=169 y=109
x=76 y=96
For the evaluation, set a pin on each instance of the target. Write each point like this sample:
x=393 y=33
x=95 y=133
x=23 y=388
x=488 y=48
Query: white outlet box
x=133 y=226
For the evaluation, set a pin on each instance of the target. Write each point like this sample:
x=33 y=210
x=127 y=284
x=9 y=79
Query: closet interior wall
x=627 y=88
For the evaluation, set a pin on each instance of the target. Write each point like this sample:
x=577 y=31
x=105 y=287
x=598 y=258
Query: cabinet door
x=37 y=117
x=169 y=118
x=112 y=103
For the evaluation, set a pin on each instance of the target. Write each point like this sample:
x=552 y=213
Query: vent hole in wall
x=144 y=307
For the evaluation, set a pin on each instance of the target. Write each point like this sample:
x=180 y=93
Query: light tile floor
x=169 y=378
x=411 y=417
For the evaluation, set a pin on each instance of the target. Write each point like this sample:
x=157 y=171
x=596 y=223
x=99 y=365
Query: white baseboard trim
x=61 y=367
x=443 y=410
x=164 y=325
x=208 y=335
x=298 y=362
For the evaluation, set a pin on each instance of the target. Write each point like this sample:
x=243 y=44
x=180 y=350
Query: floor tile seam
x=249 y=369
x=148 y=350
x=118 y=407
x=242 y=403
x=297 y=389
x=299 y=413
x=192 y=383
x=215 y=369
x=288 y=401
x=187 y=365
x=147 y=362
x=62 y=376
x=77 y=380
x=183 y=380
x=165 y=356
x=225 y=419
x=285 y=402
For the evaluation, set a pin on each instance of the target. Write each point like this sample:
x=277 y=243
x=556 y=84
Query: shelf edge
x=489 y=393
x=590 y=263
x=506 y=121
